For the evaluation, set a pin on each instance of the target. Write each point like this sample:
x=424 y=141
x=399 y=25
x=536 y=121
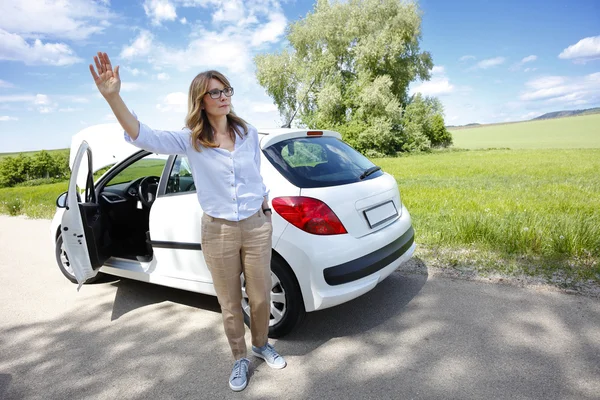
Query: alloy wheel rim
x=278 y=305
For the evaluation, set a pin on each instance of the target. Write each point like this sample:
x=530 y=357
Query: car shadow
x=387 y=300
x=132 y=295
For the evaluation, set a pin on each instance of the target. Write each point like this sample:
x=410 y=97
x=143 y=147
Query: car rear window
x=321 y=161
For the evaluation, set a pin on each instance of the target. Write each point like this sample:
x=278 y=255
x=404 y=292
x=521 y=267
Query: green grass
x=535 y=211
x=33 y=201
x=559 y=133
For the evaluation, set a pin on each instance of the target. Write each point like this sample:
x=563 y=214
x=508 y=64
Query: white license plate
x=381 y=214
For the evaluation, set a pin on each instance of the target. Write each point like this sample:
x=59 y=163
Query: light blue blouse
x=228 y=184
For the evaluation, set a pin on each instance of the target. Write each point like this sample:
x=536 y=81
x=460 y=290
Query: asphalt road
x=412 y=337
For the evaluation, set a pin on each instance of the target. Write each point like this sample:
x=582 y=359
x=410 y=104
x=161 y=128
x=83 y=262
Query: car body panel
x=74 y=237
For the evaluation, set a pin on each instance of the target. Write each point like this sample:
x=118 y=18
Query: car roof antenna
x=289 y=124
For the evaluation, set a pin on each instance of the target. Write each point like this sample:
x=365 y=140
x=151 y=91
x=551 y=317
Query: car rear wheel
x=62 y=259
x=287 y=306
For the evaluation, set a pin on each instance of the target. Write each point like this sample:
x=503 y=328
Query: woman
x=224 y=155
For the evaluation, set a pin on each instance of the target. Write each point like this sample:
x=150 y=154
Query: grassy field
x=509 y=210
x=560 y=133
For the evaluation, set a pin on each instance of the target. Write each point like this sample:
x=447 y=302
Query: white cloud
x=174 y=102
x=72 y=20
x=4 y=84
x=5 y=118
x=183 y=20
x=44 y=104
x=69 y=109
x=585 y=50
x=240 y=28
x=140 y=47
x=163 y=76
x=563 y=91
x=229 y=11
x=525 y=60
x=439 y=84
x=41 y=99
x=14 y=48
x=489 y=63
x=110 y=117
x=271 y=31
x=467 y=58
x=530 y=69
x=160 y=10
x=226 y=49
x=132 y=71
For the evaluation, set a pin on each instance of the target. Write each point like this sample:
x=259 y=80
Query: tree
x=423 y=124
x=348 y=69
x=14 y=170
x=43 y=165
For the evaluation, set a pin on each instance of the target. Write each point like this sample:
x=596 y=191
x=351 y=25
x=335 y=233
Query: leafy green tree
x=423 y=125
x=440 y=137
x=14 y=170
x=43 y=165
x=348 y=68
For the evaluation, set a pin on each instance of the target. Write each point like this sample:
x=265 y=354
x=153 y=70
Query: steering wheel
x=147 y=190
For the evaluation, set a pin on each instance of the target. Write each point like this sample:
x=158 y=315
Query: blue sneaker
x=239 y=376
x=270 y=355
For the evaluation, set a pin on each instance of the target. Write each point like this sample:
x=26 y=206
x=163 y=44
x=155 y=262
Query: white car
x=339 y=225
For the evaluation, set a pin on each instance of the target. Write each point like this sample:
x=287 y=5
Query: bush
x=13 y=206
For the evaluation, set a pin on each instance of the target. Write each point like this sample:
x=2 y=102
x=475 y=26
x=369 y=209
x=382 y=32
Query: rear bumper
x=370 y=263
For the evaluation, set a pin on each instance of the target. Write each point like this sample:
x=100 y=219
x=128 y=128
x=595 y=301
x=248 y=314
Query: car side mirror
x=61 y=201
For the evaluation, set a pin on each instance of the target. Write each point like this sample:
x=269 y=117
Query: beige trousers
x=230 y=248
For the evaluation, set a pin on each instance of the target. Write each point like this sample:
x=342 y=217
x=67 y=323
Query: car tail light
x=314 y=133
x=310 y=215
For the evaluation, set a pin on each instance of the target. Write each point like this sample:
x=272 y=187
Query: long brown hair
x=197 y=120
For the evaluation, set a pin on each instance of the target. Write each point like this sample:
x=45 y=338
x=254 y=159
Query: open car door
x=84 y=236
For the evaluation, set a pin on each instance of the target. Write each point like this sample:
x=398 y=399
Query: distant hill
x=550 y=115
x=570 y=113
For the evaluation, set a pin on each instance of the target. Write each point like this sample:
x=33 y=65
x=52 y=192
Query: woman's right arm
x=109 y=85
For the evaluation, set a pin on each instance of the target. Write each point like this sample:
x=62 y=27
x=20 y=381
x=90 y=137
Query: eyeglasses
x=216 y=93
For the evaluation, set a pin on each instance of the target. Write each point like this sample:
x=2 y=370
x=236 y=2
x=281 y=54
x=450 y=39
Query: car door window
x=180 y=178
x=151 y=165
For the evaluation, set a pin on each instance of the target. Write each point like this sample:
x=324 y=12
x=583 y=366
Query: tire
x=62 y=259
x=285 y=288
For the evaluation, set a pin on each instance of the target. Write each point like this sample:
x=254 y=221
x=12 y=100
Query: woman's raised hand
x=107 y=81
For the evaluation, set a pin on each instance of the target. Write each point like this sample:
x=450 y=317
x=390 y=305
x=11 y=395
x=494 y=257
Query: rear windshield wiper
x=369 y=172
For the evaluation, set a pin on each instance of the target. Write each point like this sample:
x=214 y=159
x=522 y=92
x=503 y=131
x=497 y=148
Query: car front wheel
x=62 y=259
x=287 y=306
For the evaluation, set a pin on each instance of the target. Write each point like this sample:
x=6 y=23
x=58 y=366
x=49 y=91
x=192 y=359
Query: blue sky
x=494 y=61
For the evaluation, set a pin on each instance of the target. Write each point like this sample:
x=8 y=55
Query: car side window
x=151 y=165
x=180 y=178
